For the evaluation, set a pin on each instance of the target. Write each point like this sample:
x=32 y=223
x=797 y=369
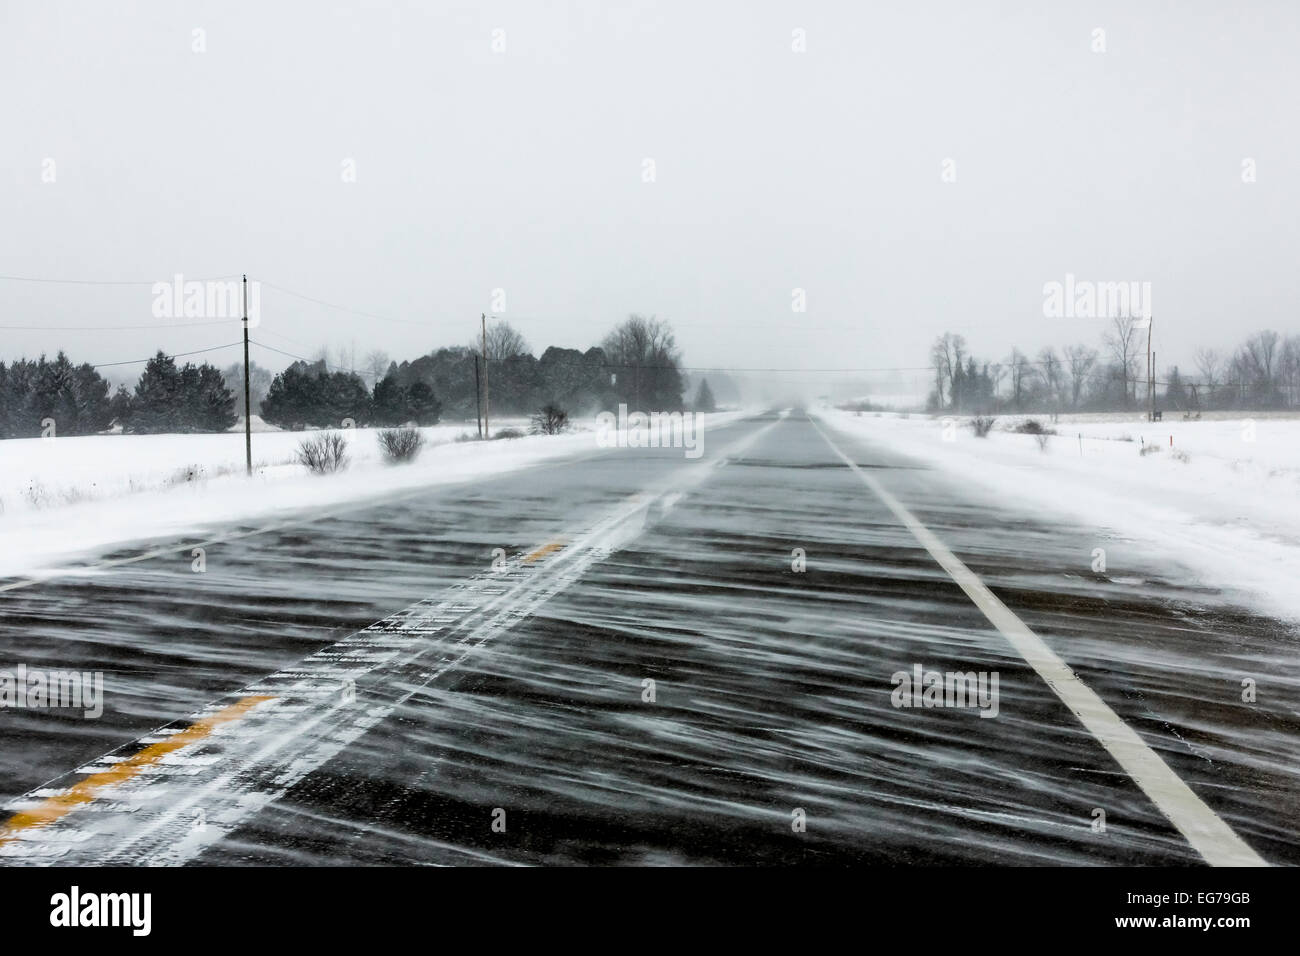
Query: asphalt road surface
x=666 y=661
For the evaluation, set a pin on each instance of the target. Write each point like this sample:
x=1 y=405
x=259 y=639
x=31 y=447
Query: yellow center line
x=543 y=551
x=88 y=789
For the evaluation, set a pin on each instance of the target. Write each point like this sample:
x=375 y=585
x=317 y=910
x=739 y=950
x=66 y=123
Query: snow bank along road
x=799 y=648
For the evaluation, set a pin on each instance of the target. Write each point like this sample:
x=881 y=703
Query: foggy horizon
x=913 y=172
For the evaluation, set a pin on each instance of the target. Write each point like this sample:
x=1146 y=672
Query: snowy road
x=678 y=660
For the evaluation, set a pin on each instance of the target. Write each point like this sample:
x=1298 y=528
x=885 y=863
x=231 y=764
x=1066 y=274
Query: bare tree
x=503 y=342
x=1124 y=345
x=376 y=366
x=1052 y=374
x=1261 y=351
x=644 y=354
x=946 y=357
x=995 y=372
x=259 y=383
x=1022 y=373
x=941 y=361
x=1079 y=360
x=1289 y=369
x=1209 y=362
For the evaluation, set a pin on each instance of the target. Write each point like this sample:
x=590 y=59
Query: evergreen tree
x=423 y=405
x=157 y=406
x=209 y=404
x=309 y=395
x=390 y=404
x=293 y=393
x=704 y=398
x=94 y=408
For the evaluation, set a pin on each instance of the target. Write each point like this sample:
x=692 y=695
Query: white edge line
x=1204 y=829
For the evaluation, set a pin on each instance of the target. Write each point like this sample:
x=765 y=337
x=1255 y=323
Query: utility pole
x=478 y=399
x=248 y=405
x=487 y=430
x=1151 y=374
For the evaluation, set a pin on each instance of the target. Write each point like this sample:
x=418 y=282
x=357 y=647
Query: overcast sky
x=523 y=169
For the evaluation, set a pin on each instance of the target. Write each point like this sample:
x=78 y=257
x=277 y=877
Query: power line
x=331 y=305
x=109 y=328
x=150 y=282
x=272 y=348
x=372 y=315
x=214 y=348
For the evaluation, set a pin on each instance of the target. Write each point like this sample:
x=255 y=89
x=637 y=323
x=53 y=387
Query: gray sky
x=522 y=170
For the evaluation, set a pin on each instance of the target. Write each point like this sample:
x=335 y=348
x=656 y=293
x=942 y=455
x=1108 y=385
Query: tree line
x=54 y=397
x=1263 y=372
x=638 y=362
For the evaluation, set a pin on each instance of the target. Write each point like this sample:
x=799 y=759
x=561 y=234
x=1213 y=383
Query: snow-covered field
x=62 y=498
x=1223 y=500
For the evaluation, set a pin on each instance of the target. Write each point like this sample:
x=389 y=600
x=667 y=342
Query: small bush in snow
x=1148 y=450
x=509 y=433
x=550 y=420
x=1179 y=455
x=1042 y=438
x=1033 y=427
x=186 y=475
x=324 y=454
x=982 y=424
x=36 y=494
x=400 y=444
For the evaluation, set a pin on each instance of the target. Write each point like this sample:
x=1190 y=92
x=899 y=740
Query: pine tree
x=704 y=398
x=158 y=397
x=424 y=406
x=209 y=404
x=292 y=393
x=389 y=405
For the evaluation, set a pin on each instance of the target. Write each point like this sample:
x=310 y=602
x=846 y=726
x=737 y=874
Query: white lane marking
x=1204 y=829
x=245 y=765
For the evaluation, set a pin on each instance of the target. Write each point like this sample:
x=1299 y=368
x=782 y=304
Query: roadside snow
x=1224 y=499
x=63 y=499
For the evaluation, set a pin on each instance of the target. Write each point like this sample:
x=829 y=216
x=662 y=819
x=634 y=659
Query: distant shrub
x=860 y=405
x=982 y=424
x=550 y=420
x=36 y=494
x=509 y=433
x=1043 y=438
x=1148 y=450
x=324 y=454
x=1179 y=455
x=186 y=475
x=400 y=444
x=1033 y=427
x=467 y=436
